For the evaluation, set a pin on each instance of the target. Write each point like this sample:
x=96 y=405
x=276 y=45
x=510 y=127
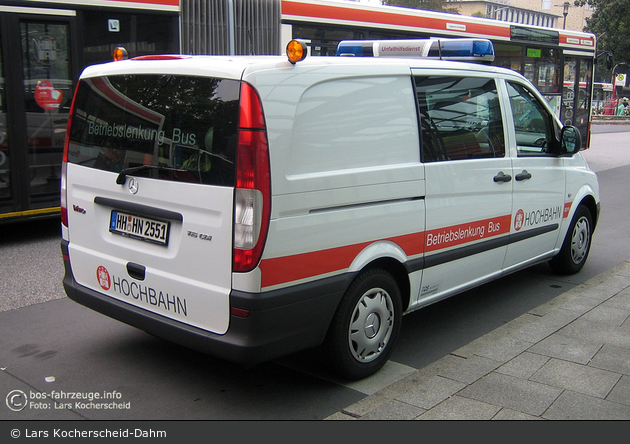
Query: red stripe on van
x=280 y=270
x=567 y=209
x=469 y=232
x=292 y=268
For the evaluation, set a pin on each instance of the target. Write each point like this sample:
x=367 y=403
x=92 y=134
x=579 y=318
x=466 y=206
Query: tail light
x=64 y=167
x=252 y=200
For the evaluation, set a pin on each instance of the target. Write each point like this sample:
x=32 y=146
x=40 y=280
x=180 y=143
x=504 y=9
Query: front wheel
x=366 y=325
x=576 y=245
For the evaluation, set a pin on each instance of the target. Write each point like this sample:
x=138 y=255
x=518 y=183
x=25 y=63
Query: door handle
x=136 y=271
x=502 y=177
x=523 y=176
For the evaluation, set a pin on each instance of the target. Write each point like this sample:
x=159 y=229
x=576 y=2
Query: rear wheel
x=576 y=245
x=364 y=329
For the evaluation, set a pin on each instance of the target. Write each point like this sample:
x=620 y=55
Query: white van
x=251 y=207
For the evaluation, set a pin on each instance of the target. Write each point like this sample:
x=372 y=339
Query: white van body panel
x=181 y=281
x=345 y=156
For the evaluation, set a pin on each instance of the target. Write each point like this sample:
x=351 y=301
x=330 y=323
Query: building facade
x=546 y=13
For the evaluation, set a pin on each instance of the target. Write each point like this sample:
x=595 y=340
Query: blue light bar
x=463 y=49
x=358 y=48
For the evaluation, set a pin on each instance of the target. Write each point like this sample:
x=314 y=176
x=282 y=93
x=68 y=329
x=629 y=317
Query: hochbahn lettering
x=536 y=217
x=149 y=295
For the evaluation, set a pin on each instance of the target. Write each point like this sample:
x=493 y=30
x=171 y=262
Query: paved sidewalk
x=568 y=359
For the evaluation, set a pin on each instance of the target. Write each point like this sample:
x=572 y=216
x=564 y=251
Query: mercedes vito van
x=251 y=207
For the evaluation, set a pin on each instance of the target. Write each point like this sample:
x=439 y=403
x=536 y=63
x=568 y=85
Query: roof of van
x=236 y=67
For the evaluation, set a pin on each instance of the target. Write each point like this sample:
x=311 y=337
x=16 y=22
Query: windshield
x=184 y=127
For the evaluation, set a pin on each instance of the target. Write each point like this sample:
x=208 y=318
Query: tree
x=428 y=5
x=480 y=14
x=611 y=23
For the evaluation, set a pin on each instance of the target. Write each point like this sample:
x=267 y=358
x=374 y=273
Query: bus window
x=546 y=64
x=541 y=66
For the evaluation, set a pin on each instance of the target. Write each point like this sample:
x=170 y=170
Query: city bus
x=559 y=62
x=44 y=46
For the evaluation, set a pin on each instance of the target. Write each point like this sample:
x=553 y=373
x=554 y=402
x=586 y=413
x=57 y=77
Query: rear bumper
x=279 y=322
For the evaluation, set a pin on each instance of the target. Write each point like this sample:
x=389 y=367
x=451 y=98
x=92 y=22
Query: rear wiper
x=122 y=176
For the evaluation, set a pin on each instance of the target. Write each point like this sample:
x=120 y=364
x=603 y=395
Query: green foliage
x=428 y=5
x=611 y=23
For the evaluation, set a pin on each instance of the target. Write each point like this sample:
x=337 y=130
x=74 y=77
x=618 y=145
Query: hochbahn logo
x=141 y=293
x=536 y=217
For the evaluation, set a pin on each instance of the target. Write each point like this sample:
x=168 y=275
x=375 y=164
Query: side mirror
x=571 y=140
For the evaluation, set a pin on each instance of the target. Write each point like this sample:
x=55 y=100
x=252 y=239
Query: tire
x=366 y=325
x=576 y=245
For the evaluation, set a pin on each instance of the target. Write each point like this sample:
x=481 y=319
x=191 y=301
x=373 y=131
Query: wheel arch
x=589 y=202
x=398 y=271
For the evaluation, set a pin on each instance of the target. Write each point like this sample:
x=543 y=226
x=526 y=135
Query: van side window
x=532 y=122
x=460 y=118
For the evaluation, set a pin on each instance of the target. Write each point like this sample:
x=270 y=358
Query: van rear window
x=183 y=127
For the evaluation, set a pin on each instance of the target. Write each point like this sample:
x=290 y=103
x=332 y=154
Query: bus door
x=36 y=92
x=576 y=93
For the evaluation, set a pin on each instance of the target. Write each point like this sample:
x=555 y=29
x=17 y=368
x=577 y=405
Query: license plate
x=137 y=227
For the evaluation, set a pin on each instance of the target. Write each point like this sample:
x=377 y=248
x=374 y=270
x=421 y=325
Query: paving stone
x=412 y=381
x=458 y=408
x=612 y=358
x=609 y=288
x=389 y=374
x=581 y=304
x=572 y=406
x=621 y=300
x=623 y=269
x=559 y=317
x=524 y=365
x=612 y=315
x=514 y=393
x=366 y=405
x=505 y=348
x=471 y=369
x=621 y=392
x=567 y=348
x=536 y=331
x=513 y=415
x=339 y=416
x=579 y=378
x=394 y=410
x=556 y=302
x=512 y=328
x=597 y=332
x=431 y=392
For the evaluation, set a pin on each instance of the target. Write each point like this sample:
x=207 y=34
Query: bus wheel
x=576 y=245
x=366 y=325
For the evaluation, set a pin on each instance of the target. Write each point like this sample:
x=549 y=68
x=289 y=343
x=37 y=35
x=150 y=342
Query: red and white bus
x=559 y=62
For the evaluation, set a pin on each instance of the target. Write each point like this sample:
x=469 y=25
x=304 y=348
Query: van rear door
x=150 y=191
